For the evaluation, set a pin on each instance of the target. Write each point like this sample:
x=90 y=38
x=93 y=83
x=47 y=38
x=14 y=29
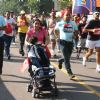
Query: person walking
x=43 y=21
x=39 y=32
x=81 y=36
x=8 y=34
x=12 y=15
x=22 y=23
x=51 y=25
x=66 y=29
x=93 y=39
x=2 y=27
x=76 y=19
x=36 y=34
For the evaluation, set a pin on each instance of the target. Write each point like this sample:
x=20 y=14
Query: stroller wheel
x=29 y=88
x=54 y=92
x=35 y=93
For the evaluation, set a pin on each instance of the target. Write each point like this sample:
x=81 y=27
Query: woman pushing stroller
x=37 y=31
x=36 y=40
x=36 y=35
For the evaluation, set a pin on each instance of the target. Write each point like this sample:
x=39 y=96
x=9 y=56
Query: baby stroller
x=42 y=74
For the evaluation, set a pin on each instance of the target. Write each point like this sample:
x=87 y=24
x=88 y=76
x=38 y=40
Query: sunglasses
x=96 y=13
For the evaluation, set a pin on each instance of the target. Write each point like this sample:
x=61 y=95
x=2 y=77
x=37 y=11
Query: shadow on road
x=17 y=77
x=15 y=59
x=4 y=93
x=74 y=91
x=66 y=91
x=92 y=79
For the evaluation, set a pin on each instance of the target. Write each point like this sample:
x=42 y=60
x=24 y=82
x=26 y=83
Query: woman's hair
x=84 y=16
x=36 y=19
x=34 y=40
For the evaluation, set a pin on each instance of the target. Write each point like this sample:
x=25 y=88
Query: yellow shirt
x=21 y=25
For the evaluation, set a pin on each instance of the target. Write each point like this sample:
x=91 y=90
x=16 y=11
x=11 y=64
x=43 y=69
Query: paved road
x=86 y=85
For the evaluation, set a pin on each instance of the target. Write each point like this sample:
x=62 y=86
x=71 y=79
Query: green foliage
x=40 y=6
x=6 y=6
x=46 y=6
x=65 y=3
x=34 y=6
x=11 y=5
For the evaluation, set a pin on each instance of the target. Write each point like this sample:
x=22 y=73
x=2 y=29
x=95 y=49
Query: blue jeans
x=7 y=43
x=22 y=40
x=35 y=61
x=44 y=60
x=66 y=48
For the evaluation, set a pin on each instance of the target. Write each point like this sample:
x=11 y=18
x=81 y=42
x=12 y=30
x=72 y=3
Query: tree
x=65 y=3
x=8 y=6
x=34 y=6
x=40 y=6
x=44 y=7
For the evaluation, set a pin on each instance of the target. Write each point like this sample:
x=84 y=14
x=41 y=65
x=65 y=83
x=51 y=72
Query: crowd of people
x=67 y=33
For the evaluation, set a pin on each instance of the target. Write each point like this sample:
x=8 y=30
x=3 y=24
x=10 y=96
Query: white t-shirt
x=33 y=52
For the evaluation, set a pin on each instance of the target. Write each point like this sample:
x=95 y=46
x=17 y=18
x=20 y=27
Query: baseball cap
x=96 y=12
x=22 y=12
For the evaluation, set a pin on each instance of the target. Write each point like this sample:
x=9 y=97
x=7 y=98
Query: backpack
x=8 y=28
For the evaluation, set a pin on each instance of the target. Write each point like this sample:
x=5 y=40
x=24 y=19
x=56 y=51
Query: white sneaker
x=98 y=69
x=51 y=66
x=14 y=43
x=84 y=61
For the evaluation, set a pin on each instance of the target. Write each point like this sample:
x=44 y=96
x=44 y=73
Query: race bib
x=68 y=28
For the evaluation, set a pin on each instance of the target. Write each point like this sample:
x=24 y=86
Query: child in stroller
x=41 y=72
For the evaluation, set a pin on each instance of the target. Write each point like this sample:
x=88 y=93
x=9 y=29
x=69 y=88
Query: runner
x=93 y=39
x=23 y=24
x=66 y=29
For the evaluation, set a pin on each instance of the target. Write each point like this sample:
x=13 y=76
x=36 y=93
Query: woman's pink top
x=40 y=35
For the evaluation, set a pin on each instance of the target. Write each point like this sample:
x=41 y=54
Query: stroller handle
x=44 y=69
